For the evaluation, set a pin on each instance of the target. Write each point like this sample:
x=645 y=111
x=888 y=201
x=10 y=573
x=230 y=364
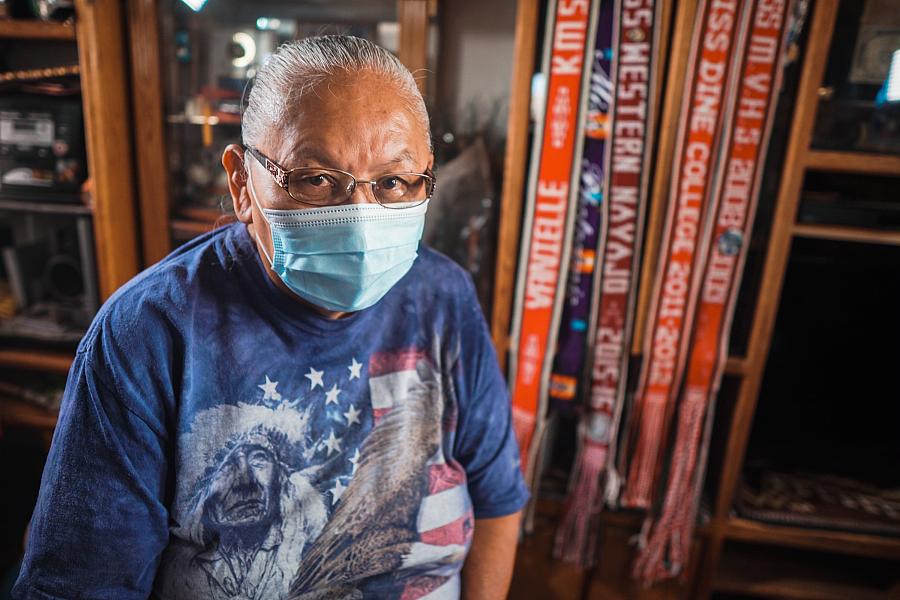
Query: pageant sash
x=572 y=341
x=681 y=252
x=627 y=167
x=737 y=190
x=550 y=212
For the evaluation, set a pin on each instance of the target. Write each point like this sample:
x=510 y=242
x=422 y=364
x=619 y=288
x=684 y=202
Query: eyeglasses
x=330 y=187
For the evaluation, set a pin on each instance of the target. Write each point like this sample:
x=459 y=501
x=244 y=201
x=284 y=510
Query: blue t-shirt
x=217 y=439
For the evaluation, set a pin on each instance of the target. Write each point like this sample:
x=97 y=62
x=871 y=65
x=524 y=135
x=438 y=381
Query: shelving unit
x=44 y=207
x=97 y=32
x=49 y=361
x=716 y=573
x=15 y=413
x=843 y=542
x=22 y=29
x=852 y=162
x=847 y=234
x=761 y=576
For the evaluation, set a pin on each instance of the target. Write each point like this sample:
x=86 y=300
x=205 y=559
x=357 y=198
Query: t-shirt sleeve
x=485 y=444
x=100 y=523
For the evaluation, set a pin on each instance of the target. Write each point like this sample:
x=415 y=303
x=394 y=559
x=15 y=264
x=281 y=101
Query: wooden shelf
x=842 y=542
x=853 y=162
x=847 y=234
x=55 y=208
x=757 y=573
x=15 y=412
x=53 y=361
x=22 y=29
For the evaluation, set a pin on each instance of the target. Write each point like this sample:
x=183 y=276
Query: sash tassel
x=576 y=538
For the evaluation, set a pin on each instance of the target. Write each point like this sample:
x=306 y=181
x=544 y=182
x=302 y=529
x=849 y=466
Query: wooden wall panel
x=149 y=129
x=102 y=55
x=413 y=51
x=515 y=166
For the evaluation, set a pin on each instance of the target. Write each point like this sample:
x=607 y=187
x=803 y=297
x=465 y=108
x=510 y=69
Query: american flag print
x=330 y=478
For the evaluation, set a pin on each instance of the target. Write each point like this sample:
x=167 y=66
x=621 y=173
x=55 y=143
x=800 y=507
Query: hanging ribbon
x=627 y=177
x=670 y=535
x=550 y=211
x=676 y=284
x=571 y=346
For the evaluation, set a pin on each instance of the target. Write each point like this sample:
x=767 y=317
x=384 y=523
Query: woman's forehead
x=356 y=133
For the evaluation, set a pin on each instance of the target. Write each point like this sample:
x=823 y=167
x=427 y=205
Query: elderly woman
x=303 y=404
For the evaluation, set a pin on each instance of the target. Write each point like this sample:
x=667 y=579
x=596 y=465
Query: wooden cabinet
x=102 y=61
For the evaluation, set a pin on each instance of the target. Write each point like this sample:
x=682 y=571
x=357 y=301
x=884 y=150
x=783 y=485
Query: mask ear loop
x=247 y=85
x=269 y=223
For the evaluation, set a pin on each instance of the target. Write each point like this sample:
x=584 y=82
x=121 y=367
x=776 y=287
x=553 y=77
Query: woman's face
x=360 y=124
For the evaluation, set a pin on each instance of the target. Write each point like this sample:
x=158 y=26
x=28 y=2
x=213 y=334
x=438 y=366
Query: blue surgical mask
x=344 y=258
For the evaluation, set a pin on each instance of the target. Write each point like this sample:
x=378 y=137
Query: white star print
x=315 y=378
x=333 y=443
x=352 y=415
x=331 y=396
x=354 y=369
x=337 y=491
x=269 y=388
x=354 y=460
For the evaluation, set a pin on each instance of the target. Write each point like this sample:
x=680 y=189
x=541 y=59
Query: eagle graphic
x=373 y=527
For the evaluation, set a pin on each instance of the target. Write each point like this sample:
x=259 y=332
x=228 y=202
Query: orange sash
x=736 y=192
x=550 y=212
x=676 y=284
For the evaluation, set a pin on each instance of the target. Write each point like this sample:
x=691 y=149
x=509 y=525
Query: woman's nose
x=363 y=193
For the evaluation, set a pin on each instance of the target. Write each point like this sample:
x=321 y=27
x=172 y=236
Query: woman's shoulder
x=442 y=275
x=156 y=299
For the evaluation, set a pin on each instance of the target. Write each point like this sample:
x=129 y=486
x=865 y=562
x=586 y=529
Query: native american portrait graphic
x=311 y=493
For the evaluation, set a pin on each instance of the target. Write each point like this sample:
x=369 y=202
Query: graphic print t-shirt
x=217 y=440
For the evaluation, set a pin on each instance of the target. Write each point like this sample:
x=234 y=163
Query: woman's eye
x=316 y=180
x=390 y=183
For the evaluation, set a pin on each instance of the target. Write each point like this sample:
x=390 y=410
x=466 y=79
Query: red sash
x=676 y=283
x=737 y=190
x=627 y=163
x=552 y=204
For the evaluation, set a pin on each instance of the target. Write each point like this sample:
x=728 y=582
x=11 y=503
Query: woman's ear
x=233 y=161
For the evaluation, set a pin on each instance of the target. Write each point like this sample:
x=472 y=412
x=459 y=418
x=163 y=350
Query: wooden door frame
x=154 y=193
x=107 y=121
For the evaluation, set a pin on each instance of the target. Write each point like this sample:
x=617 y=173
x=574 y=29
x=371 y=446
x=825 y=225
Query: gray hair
x=298 y=66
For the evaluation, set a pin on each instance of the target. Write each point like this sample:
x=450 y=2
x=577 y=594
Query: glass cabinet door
x=859 y=107
x=209 y=51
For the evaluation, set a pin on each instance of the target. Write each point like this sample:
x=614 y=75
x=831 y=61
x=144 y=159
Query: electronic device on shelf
x=48 y=265
x=42 y=153
x=53 y=10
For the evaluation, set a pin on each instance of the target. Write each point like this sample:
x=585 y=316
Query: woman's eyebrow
x=402 y=157
x=308 y=152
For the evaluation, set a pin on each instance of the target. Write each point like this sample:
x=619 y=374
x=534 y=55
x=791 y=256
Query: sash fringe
x=670 y=537
x=639 y=489
x=576 y=539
